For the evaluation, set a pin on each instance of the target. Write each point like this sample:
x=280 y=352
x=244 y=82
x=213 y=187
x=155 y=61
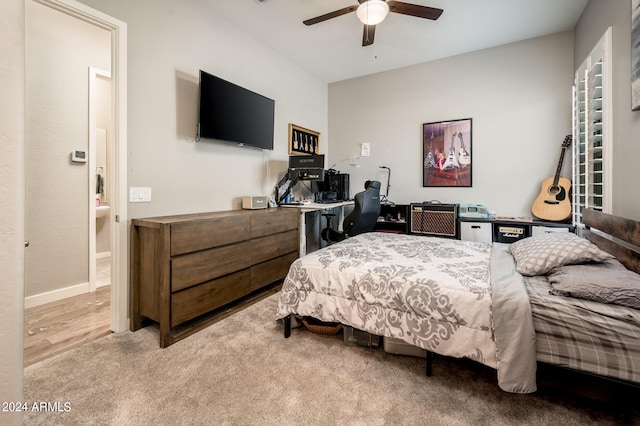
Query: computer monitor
x=306 y=161
x=307 y=167
x=318 y=186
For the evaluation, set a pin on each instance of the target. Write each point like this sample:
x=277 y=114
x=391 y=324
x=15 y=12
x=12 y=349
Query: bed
x=510 y=307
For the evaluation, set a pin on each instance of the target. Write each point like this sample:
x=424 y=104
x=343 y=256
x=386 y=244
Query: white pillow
x=539 y=255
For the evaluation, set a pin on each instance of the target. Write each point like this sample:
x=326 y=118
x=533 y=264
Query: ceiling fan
x=372 y=12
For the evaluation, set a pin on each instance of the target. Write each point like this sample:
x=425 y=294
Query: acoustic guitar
x=553 y=203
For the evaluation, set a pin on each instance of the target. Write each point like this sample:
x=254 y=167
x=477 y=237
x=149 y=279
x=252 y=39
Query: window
x=591 y=169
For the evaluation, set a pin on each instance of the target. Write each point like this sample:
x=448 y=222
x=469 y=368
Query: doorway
x=44 y=184
x=99 y=178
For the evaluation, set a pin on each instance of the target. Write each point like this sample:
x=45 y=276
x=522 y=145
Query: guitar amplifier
x=434 y=219
x=510 y=232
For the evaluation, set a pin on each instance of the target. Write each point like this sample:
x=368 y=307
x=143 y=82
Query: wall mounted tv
x=231 y=113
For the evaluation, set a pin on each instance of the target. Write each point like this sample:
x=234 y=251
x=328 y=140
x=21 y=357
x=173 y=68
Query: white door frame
x=118 y=151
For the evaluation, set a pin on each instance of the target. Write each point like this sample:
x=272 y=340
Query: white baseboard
x=52 y=296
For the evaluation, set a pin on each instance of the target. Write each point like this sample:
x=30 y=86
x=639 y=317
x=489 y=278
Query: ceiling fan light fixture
x=372 y=12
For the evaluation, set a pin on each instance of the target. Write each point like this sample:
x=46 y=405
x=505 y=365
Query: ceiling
x=333 y=49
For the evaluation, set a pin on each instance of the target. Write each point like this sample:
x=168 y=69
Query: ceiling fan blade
x=330 y=15
x=414 y=10
x=368 y=35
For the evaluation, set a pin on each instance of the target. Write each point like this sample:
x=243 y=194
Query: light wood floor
x=59 y=326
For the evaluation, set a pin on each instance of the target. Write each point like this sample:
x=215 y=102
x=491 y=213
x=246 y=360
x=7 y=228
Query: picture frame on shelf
x=446 y=148
x=303 y=141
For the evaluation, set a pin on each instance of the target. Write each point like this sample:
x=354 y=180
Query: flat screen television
x=231 y=113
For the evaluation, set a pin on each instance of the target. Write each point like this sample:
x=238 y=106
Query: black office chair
x=363 y=217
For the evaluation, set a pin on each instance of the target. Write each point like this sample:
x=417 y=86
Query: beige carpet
x=241 y=371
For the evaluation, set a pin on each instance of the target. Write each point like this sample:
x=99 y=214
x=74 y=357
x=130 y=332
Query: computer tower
x=337 y=185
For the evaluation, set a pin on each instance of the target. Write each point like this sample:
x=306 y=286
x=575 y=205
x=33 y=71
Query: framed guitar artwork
x=303 y=141
x=447 y=153
x=554 y=201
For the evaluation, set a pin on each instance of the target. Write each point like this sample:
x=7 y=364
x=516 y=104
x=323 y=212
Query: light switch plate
x=365 y=149
x=139 y=194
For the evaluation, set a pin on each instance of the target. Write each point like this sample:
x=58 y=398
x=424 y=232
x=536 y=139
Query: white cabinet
x=542 y=230
x=502 y=231
x=476 y=231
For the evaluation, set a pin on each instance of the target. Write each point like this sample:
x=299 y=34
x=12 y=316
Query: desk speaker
x=253 y=202
x=434 y=219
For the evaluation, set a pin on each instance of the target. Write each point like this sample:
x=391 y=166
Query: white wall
x=60 y=50
x=597 y=17
x=12 y=142
x=169 y=42
x=518 y=95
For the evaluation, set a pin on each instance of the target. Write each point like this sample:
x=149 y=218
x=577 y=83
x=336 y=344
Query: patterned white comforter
x=433 y=293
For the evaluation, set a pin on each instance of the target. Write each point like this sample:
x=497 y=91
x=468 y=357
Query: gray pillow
x=606 y=282
x=540 y=254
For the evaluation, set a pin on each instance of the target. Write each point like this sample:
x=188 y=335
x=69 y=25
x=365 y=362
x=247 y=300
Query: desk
x=312 y=208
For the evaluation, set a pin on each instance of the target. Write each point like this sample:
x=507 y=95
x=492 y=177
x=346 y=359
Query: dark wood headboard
x=625 y=245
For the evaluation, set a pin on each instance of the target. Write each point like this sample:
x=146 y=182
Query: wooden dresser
x=185 y=266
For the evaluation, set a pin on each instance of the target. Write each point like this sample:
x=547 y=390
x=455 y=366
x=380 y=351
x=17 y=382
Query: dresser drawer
x=192 y=302
x=273 y=270
x=187 y=237
x=195 y=268
x=274 y=221
x=273 y=246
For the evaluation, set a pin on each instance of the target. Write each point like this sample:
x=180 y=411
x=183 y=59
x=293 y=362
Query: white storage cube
x=476 y=231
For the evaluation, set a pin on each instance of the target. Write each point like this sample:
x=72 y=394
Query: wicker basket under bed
x=321 y=327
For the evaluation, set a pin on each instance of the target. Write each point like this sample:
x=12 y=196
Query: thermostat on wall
x=79 y=156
